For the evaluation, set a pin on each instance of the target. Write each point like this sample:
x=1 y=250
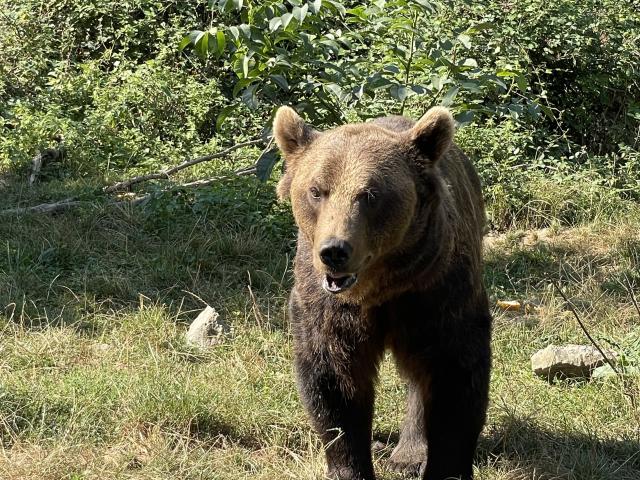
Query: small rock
x=207 y=329
x=568 y=361
x=99 y=348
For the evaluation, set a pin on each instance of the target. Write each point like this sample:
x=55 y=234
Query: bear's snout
x=335 y=253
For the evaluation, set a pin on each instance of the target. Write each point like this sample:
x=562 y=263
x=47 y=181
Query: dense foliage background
x=548 y=93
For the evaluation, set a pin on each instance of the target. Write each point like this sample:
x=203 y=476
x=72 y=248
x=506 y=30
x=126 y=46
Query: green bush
x=550 y=89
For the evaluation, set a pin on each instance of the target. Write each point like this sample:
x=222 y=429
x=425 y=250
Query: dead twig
x=125 y=184
x=584 y=329
x=623 y=379
x=629 y=288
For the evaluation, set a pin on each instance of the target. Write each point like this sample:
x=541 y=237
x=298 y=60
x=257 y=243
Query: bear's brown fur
x=390 y=218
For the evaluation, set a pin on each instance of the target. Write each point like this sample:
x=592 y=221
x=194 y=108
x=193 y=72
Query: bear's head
x=355 y=189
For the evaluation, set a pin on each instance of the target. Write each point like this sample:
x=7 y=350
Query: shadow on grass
x=518 y=270
x=527 y=451
x=536 y=452
x=212 y=242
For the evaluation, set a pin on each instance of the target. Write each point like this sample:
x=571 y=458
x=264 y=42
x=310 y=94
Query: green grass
x=96 y=380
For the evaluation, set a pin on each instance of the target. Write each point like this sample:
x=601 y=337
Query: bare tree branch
x=44 y=207
x=67 y=203
x=125 y=184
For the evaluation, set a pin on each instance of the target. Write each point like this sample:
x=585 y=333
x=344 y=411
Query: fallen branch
x=67 y=203
x=194 y=184
x=125 y=184
x=44 y=207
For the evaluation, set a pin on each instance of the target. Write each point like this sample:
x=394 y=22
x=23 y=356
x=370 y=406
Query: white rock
x=568 y=361
x=207 y=329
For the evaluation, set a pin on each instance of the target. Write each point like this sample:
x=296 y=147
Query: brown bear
x=391 y=218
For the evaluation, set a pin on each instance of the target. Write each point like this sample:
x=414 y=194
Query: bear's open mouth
x=337 y=283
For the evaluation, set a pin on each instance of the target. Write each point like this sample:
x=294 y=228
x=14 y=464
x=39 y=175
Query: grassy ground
x=96 y=380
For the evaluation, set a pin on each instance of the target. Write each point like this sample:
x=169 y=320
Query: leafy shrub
x=329 y=56
x=551 y=88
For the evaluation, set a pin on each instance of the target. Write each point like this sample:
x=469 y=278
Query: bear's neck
x=426 y=251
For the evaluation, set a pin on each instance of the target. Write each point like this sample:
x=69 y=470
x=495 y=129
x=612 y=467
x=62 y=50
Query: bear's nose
x=335 y=253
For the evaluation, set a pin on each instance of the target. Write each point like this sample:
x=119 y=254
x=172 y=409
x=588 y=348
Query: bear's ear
x=433 y=133
x=292 y=136
x=290 y=131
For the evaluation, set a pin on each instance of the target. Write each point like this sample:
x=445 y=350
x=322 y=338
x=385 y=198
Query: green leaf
x=281 y=81
x=507 y=73
x=448 y=98
x=399 y=92
x=480 y=26
x=522 y=83
x=438 y=82
x=340 y=8
x=472 y=86
x=249 y=96
x=222 y=116
x=335 y=89
x=515 y=111
x=235 y=33
x=245 y=66
x=240 y=84
x=465 y=117
x=500 y=83
x=426 y=5
x=470 y=62
x=547 y=111
x=194 y=35
x=221 y=42
x=275 y=23
x=465 y=40
x=265 y=164
x=360 y=12
x=202 y=44
x=286 y=20
x=245 y=30
x=184 y=42
x=314 y=6
x=299 y=13
x=237 y=4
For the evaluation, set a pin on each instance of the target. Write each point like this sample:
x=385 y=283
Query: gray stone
x=207 y=329
x=568 y=361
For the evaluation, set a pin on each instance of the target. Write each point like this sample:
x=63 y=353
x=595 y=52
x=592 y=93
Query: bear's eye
x=315 y=193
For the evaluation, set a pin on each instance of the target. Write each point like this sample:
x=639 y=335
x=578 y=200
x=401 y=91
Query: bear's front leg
x=336 y=368
x=341 y=419
x=456 y=405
